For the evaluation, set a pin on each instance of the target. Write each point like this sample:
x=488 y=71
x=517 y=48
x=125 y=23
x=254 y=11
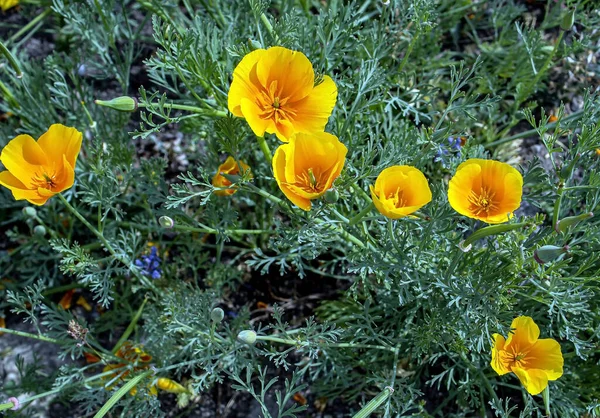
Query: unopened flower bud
x=39 y=230
x=30 y=212
x=254 y=45
x=247 y=337
x=122 y=104
x=548 y=253
x=568 y=20
x=332 y=196
x=565 y=223
x=166 y=222
x=217 y=315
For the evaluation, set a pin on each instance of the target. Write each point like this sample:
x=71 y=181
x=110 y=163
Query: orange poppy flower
x=534 y=361
x=307 y=166
x=274 y=90
x=486 y=190
x=399 y=191
x=230 y=166
x=36 y=171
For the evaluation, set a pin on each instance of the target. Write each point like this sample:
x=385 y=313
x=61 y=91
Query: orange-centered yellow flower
x=7 y=4
x=307 y=166
x=39 y=170
x=274 y=90
x=534 y=361
x=231 y=167
x=399 y=191
x=486 y=190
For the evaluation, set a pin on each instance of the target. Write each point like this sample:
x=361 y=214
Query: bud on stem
x=122 y=104
x=548 y=253
x=487 y=231
x=565 y=223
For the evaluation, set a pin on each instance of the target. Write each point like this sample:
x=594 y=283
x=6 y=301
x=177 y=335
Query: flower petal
x=19 y=191
x=291 y=70
x=312 y=112
x=250 y=111
x=23 y=157
x=534 y=381
x=497 y=363
x=279 y=172
x=546 y=355
x=245 y=83
x=524 y=333
x=61 y=140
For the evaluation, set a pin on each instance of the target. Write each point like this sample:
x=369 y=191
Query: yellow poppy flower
x=486 y=190
x=8 y=4
x=36 y=171
x=399 y=191
x=274 y=90
x=534 y=361
x=230 y=166
x=307 y=166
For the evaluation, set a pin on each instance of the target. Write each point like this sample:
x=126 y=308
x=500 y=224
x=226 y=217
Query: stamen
x=482 y=202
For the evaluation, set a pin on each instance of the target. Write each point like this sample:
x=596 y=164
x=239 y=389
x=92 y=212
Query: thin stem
x=29 y=25
x=264 y=147
x=300 y=344
x=106 y=244
x=374 y=403
x=269 y=27
x=28 y=335
x=205 y=230
x=557 y=203
x=193 y=109
x=572 y=117
x=11 y=59
x=355 y=219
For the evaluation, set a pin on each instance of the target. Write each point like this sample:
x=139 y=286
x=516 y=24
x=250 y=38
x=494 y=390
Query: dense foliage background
x=343 y=306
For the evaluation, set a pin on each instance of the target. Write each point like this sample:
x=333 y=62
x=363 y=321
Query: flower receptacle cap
x=217 y=315
x=247 y=337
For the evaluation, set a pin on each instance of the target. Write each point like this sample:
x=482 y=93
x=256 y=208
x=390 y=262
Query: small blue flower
x=150 y=264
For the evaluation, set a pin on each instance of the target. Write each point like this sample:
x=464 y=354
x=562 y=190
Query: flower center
x=45 y=180
x=309 y=182
x=273 y=105
x=482 y=202
x=397 y=198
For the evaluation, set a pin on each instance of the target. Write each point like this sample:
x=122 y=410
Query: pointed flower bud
x=548 y=253
x=565 y=223
x=568 y=20
x=122 y=104
x=217 y=315
x=166 y=222
x=247 y=337
x=254 y=45
x=169 y=385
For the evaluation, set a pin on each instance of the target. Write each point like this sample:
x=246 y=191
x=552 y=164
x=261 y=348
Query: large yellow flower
x=39 y=170
x=534 y=361
x=7 y=4
x=486 y=190
x=399 y=191
x=307 y=166
x=230 y=166
x=274 y=90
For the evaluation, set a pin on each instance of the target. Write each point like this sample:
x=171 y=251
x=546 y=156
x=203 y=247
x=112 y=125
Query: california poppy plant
x=230 y=166
x=38 y=170
x=399 y=191
x=307 y=166
x=274 y=90
x=486 y=190
x=534 y=361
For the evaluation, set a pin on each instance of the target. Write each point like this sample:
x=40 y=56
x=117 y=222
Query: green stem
x=60 y=289
x=556 y=211
x=572 y=117
x=300 y=344
x=28 y=335
x=205 y=230
x=130 y=328
x=374 y=403
x=269 y=27
x=411 y=45
x=28 y=26
x=5 y=406
x=127 y=263
x=264 y=147
x=11 y=60
x=356 y=219
x=491 y=230
x=193 y=109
